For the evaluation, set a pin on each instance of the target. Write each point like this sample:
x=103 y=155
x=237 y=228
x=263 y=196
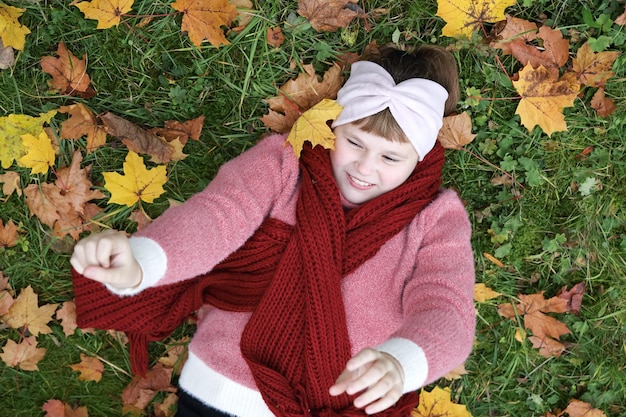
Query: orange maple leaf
x=90 y=368
x=546 y=330
x=204 y=20
x=10 y=183
x=300 y=94
x=593 y=69
x=63 y=206
x=544 y=96
x=142 y=389
x=25 y=312
x=8 y=234
x=24 y=355
x=57 y=408
x=82 y=122
x=603 y=105
x=577 y=408
x=456 y=131
x=514 y=30
x=69 y=74
x=183 y=131
x=329 y=15
x=107 y=12
x=553 y=55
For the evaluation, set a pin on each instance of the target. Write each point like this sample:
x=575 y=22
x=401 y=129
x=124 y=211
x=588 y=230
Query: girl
x=333 y=284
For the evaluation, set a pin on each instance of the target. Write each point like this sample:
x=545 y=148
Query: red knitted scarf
x=296 y=342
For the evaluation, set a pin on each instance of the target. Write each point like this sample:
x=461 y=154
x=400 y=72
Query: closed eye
x=390 y=159
x=353 y=143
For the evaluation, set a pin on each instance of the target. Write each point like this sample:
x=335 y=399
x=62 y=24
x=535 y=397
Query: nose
x=365 y=165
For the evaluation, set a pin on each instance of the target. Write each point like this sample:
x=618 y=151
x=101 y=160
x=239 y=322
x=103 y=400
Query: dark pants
x=188 y=406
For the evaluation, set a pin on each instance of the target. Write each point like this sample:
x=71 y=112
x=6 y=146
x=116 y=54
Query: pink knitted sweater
x=414 y=299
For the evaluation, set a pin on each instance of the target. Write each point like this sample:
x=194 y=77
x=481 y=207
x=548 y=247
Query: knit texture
x=296 y=342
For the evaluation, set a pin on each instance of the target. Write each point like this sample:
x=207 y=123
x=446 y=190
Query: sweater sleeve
x=438 y=299
x=192 y=238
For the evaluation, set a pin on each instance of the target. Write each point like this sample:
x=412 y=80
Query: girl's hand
x=377 y=375
x=106 y=257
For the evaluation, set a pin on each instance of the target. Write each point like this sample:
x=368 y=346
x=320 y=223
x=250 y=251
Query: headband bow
x=417 y=104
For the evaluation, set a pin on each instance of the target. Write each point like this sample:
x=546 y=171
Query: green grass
x=550 y=234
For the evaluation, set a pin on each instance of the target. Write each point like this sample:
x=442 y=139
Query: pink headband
x=416 y=104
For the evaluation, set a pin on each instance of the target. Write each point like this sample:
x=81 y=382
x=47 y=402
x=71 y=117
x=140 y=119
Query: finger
x=341 y=384
x=379 y=390
x=362 y=359
x=77 y=260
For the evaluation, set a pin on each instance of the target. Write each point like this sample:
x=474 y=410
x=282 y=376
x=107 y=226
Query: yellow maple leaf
x=463 y=17
x=311 y=126
x=40 y=155
x=12 y=32
x=544 y=96
x=437 y=403
x=12 y=127
x=106 y=12
x=138 y=183
x=593 y=69
x=204 y=20
x=483 y=293
x=25 y=311
x=90 y=369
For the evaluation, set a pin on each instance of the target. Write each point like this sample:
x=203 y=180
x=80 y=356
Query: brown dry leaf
x=176 y=355
x=8 y=234
x=546 y=329
x=66 y=201
x=57 y=408
x=69 y=74
x=25 y=312
x=299 y=95
x=456 y=373
x=168 y=407
x=577 y=408
x=67 y=316
x=204 y=20
x=10 y=184
x=6 y=295
x=544 y=97
x=603 y=105
x=621 y=19
x=515 y=30
x=142 y=389
x=183 y=131
x=90 y=368
x=456 y=131
x=7 y=56
x=274 y=37
x=329 y=15
x=573 y=296
x=137 y=139
x=82 y=122
x=555 y=51
x=244 y=14
x=593 y=69
x=24 y=355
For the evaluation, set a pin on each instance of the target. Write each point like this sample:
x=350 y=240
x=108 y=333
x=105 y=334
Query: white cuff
x=152 y=260
x=412 y=359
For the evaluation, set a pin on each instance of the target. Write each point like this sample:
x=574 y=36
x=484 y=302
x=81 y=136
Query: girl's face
x=366 y=165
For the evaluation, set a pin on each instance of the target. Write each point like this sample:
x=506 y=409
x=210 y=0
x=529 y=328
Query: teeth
x=359 y=182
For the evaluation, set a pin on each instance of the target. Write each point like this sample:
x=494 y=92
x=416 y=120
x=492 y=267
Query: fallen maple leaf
x=67 y=316
x=299 y=95
x=8 y=234
x=12 y=127
x=137 y=184
x=183 y=131
x=329 y=15
x=593 y=69
x=7 y=56
x=573 y=296
x=483 y=293
x=142 y=389
x=456 y=373
x=107 y=12
x=90 y=368
x=437 y=403
x=311 y=126
x=514 y=30
x=12 y=33
x=64 y=206
x=456 y=131
x=40 y=155
x=603 y=105
x=137 y=139
x=553 y=55
x=57 y=408
x=82 y=122
x=69 y=74
x=577 y=408
x=168 y=407
x=543 y=98
x=621 y=19
x=546 y=329
x=245 y=13
x=204 y=20
x=176 y=355
x=24 y=355
x=10 y=183
x=25 y=312
x=463 y=17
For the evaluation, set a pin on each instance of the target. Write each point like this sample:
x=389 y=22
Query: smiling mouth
x=358 y=183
